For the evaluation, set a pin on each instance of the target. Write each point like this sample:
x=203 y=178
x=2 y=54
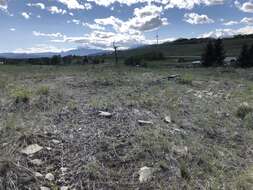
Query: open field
x=206 y=145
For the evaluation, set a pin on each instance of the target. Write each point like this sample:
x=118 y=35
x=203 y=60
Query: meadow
x=193 y=127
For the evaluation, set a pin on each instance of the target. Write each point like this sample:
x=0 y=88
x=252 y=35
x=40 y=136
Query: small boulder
x=105 y=114
x=167 y=119
x=55 y=141
x=64 y=188
x=44 y=188
x=36 y=162
x=142 y=122
x=145 y=174
x=31 y=149
x=50 y=177
x=38 y=175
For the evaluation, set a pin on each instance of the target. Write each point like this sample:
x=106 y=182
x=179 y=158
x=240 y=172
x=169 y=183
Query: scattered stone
x=49 y=177
x=32 y=149
x=167 y=119
x=173 y=76
x=48 y=148
x=36 y=162
x=142 y=122
x=55 y=141
x=145 y=173
x=64 y=188
x=105 y=114
x=64 y=170
x=44 y=188
x=38 y=175
x=181 y=150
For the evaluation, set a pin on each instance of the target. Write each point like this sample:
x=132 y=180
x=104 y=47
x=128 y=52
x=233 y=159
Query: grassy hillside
x=191 y=47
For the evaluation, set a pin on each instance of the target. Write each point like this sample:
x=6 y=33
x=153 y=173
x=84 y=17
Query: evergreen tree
x=208 y=56
x=56 y=60
x=243 y=60
x=219 y=53
x=250 y=62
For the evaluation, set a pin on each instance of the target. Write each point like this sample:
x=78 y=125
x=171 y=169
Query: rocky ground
x=107 y=127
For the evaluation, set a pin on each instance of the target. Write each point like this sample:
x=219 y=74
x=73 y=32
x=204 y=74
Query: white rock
x=55 y=141
x=44 y=188
x=142 y=122
x=36 y=162
x=167 y=119
x=31 y=149
x=49 y=177
x=64 y=188
x=105 y=114
x=145 y=173
x=64 y=170
x=38 y=175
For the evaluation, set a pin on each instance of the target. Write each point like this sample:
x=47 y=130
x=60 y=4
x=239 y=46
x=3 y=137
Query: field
x=193 y=130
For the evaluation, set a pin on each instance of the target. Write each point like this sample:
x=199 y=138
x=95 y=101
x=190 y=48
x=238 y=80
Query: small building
x=230 y=60
x=1 y=62
x=196 y=62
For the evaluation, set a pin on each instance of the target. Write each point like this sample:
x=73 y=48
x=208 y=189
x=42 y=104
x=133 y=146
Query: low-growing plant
x=243 y=110
x=43 y=90
x=21 y=95
x=133 y=61
x=248 y=121
x=187 y=79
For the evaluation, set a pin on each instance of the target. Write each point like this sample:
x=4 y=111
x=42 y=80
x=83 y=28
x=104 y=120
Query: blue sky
x=59 y=25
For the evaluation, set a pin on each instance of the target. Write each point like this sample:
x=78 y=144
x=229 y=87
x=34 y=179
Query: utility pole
x=157 y=39
x=115 y=53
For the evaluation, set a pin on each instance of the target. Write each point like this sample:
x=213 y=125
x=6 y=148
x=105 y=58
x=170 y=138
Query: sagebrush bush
x=243 y=110
x=43 y=90
x=21 y=95
x=133 y=61
x=248 y=121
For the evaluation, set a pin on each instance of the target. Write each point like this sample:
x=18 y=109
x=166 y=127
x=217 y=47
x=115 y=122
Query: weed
x=21 y=95
x=43 y=90
x=243 y=110
x=186 y=79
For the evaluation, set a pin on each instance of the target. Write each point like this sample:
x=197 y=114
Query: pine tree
x=208 y=55
x=250 y=62
x=219 y=52
x=243 y=60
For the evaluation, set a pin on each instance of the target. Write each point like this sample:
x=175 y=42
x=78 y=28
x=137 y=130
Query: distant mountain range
x=77 y=52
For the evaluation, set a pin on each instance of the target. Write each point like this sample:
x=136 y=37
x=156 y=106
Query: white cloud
x=38 y=5
x=245 y=7
x=94 y=26
x=230 y=23
x=223 y=33
x=13 y=29
x=194 y=18
x=182 y=4
x=42 y=48
x=25 y=15
x=51 y=35
x=56 y=10
x=145 y=19
x=247 y=21
x=74 y=4
x=3 y=5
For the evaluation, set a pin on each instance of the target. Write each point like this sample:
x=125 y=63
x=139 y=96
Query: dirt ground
x=197 y=134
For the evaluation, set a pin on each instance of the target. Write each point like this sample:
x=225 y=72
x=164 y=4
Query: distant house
x=196 y=62
x=230 y=60
x=1 y=62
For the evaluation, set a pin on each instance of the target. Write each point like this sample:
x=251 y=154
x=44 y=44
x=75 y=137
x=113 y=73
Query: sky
x=36 y=26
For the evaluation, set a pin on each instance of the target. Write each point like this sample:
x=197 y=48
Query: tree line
x=214 y=55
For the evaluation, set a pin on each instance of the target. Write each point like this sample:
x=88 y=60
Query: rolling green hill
x=190 y=47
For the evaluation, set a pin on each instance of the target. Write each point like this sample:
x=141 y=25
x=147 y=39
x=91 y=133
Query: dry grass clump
x=243 y=110
x=21 y=95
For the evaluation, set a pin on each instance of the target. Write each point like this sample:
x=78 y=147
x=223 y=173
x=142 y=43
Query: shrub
x=133 y=61
x=43 y=90
x=153 y=56
x=187 y=79
x=248 y=121
x=21 y=95
x=243 y=110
